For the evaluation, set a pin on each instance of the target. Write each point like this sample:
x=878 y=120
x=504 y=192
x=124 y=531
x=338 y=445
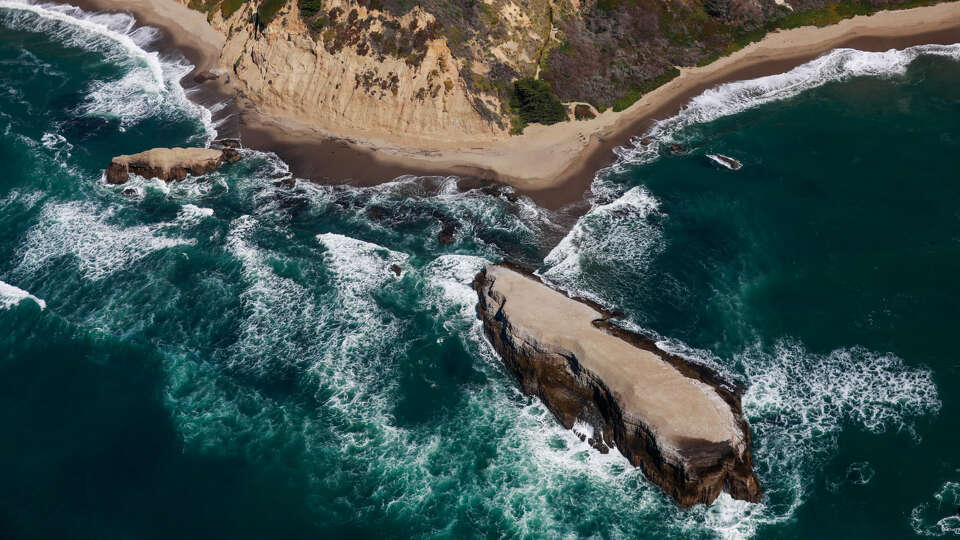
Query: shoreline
x=554 y=165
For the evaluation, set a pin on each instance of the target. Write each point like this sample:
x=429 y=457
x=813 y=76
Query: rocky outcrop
x=169 y=163
x=678 y=421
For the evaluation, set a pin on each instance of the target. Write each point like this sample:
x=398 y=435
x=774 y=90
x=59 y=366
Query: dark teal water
x=229 y=357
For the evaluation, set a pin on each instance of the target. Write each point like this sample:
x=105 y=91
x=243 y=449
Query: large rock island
x=676 y=420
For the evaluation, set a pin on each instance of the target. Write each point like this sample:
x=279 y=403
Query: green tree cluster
x=534 y=101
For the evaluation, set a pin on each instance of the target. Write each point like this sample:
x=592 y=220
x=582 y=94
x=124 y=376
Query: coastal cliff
x=348 y=82
x=677 y=421
x=463 y=71
x=510 y=60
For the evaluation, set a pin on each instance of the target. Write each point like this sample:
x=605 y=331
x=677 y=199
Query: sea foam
x=11 y=296
x=797 y=402
x=91 y=237
x=618 y=233
x=150 y=85
x=938 y=517
x=735 y=97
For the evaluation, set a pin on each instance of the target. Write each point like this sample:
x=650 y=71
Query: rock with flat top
x=678 y=421
x=166 y=163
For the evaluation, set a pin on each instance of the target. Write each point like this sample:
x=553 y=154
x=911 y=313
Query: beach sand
x=553 y=164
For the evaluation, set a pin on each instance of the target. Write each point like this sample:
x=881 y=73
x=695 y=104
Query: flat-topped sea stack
x=169 y=163
x=676 y=420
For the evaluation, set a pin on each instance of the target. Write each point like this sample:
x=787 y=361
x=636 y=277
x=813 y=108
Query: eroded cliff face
x=289 y=71
x=677 y=421
x=444 y=70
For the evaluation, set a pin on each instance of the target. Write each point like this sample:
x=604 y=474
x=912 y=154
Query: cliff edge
x=675 y=420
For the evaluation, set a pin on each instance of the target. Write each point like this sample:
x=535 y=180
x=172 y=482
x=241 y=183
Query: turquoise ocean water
x=229 y=357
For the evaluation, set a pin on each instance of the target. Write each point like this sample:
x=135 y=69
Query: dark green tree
x=535 y=101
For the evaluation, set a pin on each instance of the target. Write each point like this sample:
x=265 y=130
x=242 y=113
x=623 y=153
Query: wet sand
x=554 y=165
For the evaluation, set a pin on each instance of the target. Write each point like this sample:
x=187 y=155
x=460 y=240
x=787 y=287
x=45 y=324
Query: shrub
x=583 y=112
x=269 y=9
x=646 y=86
x=229 y=7
x=534 y=101
x=309 y=8
x=516 y=125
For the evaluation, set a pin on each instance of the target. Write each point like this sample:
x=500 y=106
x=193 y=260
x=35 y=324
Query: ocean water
x=231 y=357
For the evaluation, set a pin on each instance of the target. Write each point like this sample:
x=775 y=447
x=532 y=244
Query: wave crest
x=11 y=296
x=149 y=87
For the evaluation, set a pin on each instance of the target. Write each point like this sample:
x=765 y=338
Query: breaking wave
x=325 y=329
x=619 y=235
x=11 y=296
x=149 y=86
x=93 y=239
x=797 y=401
x=735 y=97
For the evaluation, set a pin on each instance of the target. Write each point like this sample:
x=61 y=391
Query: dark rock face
x=694 y=472
x=169 y=163
x=447 y=233
x=205 y=76
x=230 y=148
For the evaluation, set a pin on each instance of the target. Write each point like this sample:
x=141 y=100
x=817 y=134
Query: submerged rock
x=169 y=163
x=678 y=421
x=448 y=233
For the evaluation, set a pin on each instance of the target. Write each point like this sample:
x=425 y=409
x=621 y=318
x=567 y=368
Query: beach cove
x=553 y=164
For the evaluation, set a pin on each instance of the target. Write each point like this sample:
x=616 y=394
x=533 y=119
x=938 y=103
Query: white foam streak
x=149 y=87
x=735 y=97
x=11 y=296
x=190 y=213
x=99 y=246
x=609 y=234
x=938 y=517
x=361 y=266
x=452 y=275
x=113 y=27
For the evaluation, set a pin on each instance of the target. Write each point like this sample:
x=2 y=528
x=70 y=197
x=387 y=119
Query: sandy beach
x=553 y=164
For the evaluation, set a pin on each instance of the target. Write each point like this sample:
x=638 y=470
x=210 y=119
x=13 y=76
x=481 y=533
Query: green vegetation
x=583 y=112
x=534 y=101
x=229 y=7
x=646 y=86
x=516 y=125
x=607 y=6
x=832 y=13
x=489 y=12
x=309 y=8
x=609 y=55
x=269 y=9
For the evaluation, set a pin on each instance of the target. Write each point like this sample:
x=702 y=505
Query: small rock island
x=169 y=163
x=676 y=420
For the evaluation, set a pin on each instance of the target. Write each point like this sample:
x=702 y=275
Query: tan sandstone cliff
x=289 y=73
